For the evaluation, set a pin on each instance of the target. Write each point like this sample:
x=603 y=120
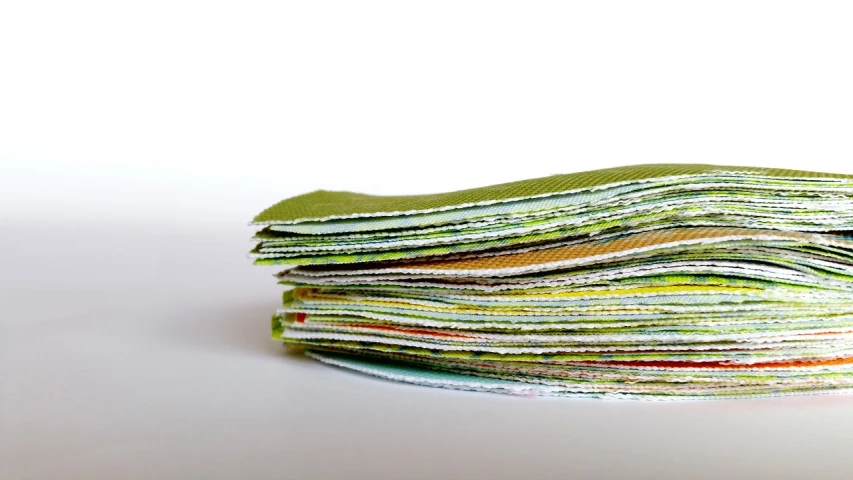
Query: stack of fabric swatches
x=648 y=281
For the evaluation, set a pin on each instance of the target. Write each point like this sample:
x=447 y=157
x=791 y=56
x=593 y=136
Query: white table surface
x=139 y=354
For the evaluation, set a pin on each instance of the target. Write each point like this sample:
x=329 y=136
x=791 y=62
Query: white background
x=137 y=139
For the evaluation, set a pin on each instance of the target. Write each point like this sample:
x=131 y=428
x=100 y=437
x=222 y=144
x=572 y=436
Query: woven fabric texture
x=325 y=204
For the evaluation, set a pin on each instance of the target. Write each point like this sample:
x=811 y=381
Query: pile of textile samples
x=648 y=281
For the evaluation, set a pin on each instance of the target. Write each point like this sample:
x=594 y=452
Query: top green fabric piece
x=324 y=205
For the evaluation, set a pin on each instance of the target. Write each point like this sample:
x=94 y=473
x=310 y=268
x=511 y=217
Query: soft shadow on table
x=243 y=328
